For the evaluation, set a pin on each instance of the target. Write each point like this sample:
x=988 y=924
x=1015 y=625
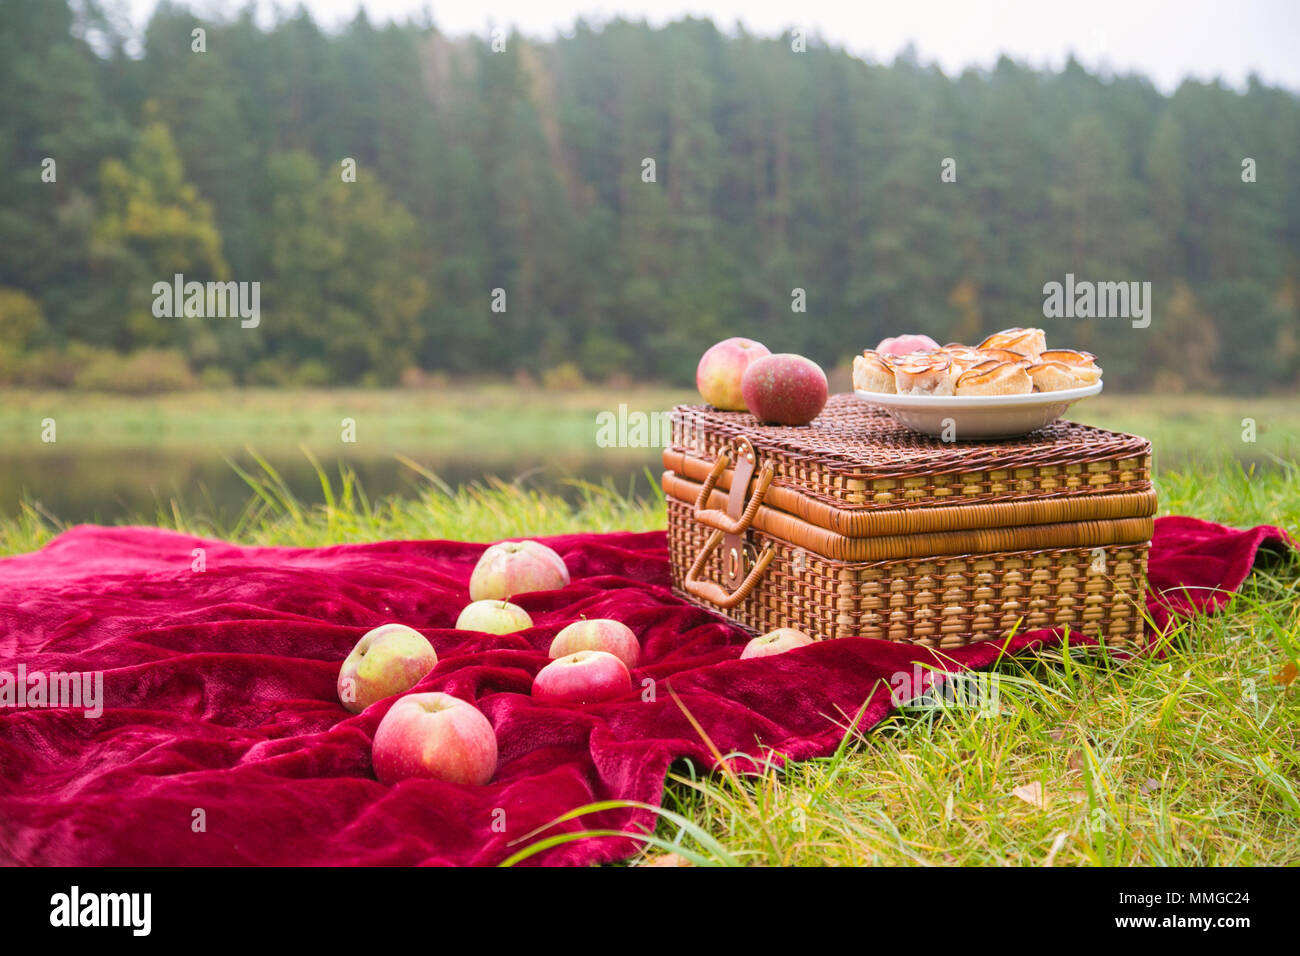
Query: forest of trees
x=524 y=170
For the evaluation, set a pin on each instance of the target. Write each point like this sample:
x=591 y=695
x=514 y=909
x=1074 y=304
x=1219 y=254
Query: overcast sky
x=1166 y=40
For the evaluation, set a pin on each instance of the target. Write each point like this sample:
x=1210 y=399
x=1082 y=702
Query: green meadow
x=117 y=457
x=501 y=417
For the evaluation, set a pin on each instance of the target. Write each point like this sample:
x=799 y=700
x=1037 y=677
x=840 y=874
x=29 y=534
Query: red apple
x=906 y=345
x=434 y=735
x=516 y=567
x=721 y=369
x=493 y=617
x=388 y=660
x=598 y=634
x=586 y=677
x=785 y=389
x=775 y=642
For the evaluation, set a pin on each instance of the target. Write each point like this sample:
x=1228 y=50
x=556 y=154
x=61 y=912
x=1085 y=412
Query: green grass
x=481 y=511
x=1187 y=760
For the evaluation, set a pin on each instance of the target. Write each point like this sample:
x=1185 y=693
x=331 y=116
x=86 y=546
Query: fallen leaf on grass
x=1031 y=793
x=1287 y=675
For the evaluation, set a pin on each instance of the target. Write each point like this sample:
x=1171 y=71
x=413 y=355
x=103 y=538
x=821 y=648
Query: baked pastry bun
x=1030 y=342
x=924 y=373
x=873 y=373
x=1071 y=357
x=963 y=357
x=1011 y=362
x=994 y=378
x=1059 y=369
x=1006 y=355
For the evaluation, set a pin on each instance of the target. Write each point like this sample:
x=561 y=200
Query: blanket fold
x=221 y=740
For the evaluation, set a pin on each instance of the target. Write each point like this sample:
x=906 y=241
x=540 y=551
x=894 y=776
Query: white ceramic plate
x=966 y=417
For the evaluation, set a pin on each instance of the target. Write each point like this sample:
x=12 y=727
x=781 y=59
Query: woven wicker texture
x=855 y=456
x=1131 y=522
x=868 y=529
x=935 y=516
x=939 y=602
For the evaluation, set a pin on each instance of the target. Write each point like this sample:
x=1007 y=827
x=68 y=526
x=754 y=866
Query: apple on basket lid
x=785 y=389
x=721 y=369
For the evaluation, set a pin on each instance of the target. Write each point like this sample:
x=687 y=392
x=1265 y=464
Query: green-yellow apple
x=434 y=735
x=775 y=642
x=721 y=369
x=785 y=389
x=586 y=677
x=598 y=634
x=388 y=660
x=493 y=617
x=516 y=567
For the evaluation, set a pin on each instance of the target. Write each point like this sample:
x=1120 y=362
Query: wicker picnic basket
x=857 y=526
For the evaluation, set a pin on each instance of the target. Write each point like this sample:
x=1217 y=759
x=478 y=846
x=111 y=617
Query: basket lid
x=854 y=455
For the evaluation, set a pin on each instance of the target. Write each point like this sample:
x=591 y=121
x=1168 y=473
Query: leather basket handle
x=714 y=593
x=720 y=520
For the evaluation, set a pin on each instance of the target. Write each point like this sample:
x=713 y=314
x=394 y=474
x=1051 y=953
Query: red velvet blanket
x=222 y=742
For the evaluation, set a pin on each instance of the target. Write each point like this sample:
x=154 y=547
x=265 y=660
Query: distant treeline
x=635 y=194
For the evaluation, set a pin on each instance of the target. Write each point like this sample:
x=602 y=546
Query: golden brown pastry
x=994 y=378
x=962 y=357
x=1011 y=362
x=873 y=373
x=924 y=373
x=1030 y=342
x=1072 y=357
x=1059 y=369
x=1005 y=355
